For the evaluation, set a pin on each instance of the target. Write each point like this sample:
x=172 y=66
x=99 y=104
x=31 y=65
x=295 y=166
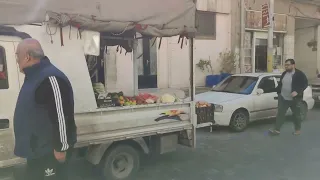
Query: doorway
x=261 y=54
x=260 y=51
x=148 y=74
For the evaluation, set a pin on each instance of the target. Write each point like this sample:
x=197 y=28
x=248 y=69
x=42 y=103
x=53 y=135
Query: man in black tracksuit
x=290 y=90
x=44 y=126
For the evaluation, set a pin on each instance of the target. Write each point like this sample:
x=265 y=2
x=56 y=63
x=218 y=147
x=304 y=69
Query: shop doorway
x=261 y=47
x=260 y=51
x=148 y=65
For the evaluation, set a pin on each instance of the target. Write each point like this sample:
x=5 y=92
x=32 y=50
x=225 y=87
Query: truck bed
x=119 y=123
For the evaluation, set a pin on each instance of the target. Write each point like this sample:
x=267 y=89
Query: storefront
x=256 y=42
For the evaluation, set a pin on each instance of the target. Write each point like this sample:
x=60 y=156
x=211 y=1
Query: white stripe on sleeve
x=59 y=107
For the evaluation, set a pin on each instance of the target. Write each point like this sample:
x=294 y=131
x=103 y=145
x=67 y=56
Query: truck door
x=9 y=88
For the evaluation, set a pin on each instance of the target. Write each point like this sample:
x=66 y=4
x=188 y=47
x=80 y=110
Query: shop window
x=206 y=25
x=278 y=44
x=4 y=84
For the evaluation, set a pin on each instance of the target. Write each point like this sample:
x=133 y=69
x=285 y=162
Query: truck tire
x=121 y=162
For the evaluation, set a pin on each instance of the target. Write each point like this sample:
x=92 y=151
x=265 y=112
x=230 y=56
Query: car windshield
x=237 y=84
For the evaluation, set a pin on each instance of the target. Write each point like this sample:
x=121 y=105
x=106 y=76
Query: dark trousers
x=283 y=106
x=47 y=168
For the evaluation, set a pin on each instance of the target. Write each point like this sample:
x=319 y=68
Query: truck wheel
x=121 y=163
x=239 y=120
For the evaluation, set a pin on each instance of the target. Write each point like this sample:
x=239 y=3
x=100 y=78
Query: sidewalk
x=198 y=90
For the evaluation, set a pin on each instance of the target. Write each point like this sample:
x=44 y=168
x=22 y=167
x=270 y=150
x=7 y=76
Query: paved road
x=251 y=155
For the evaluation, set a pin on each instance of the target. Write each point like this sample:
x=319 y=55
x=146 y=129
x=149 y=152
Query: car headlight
x=218 y=108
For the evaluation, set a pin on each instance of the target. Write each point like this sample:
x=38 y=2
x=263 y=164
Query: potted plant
x=227 y=61
x=206 y=67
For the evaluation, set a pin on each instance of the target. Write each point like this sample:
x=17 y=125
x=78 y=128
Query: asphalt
x=223 y=155
x=251 y=155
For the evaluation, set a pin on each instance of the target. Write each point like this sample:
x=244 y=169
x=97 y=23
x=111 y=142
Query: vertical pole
x=193 y=116
x=318 y=48
x=192 y=70
x=135 y=67
x=270 y=37
x=242 y=32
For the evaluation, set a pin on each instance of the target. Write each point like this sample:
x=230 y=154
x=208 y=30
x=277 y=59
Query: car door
x=265 y=104
x=9 y=89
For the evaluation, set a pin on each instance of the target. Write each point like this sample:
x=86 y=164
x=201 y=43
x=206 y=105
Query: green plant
x=205 y=65
x=227 y=61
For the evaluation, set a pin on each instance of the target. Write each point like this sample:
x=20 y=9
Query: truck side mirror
x=91 y=43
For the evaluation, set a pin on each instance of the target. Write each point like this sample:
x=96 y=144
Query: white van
x=106 y=133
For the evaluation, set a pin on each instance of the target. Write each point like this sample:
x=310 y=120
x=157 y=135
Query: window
x=267 y=84
x=237 y=84
x=278 y=79
x=3 y=70
x=206 y=25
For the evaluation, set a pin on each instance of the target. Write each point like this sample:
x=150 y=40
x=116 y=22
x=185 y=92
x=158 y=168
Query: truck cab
x=10 y=81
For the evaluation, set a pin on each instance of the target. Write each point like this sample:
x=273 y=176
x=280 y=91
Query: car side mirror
x=260 y=91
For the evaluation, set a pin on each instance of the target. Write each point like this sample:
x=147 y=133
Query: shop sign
x=254 y=21
x=265 y=15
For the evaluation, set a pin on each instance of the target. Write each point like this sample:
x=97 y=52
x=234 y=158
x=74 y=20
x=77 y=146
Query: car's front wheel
x=239 y=120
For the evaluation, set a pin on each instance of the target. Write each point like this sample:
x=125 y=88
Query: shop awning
x=149 y=17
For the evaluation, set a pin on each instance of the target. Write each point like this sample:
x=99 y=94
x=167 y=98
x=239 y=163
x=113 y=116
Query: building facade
x=296 y=35
x=164 y=63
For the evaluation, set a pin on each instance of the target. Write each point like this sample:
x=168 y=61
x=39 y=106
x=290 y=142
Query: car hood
x=218 y=97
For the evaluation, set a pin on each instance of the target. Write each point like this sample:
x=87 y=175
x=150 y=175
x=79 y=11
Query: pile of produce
x=128 y=101
x=146 y=98
x=118 y=99
x=143 y=98
x=200 y=104
x=167 y=98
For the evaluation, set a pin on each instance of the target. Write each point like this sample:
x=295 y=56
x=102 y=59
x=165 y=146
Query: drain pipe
x=242 y=32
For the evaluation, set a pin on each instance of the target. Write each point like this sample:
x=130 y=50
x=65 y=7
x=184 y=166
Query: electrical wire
x=48 y=30
x=291 y=5
x=299 y=10
x=125 y=29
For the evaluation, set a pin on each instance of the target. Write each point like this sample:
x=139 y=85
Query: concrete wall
x=306 y=59
x=173 y=62
x=122 y=80
x=178 y=58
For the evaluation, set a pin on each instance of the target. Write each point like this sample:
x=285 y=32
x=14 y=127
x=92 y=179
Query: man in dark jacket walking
x=44 y=126
x=290 y=90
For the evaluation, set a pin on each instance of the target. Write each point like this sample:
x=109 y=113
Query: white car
x=243 y=98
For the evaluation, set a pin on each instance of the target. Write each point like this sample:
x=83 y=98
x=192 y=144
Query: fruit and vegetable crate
x=205 y=113
x=105 y=103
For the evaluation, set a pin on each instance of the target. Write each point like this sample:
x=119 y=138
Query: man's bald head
x=29 y=52
x=31 y=47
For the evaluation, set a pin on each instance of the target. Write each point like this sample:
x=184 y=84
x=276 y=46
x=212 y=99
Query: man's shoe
x=296 y=133
x=274 y=132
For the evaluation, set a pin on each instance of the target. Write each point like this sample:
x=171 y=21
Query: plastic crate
x=205 y=114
